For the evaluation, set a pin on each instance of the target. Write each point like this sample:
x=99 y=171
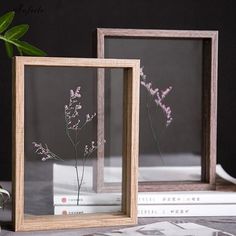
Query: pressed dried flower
x=73 y=125
x=158 y=96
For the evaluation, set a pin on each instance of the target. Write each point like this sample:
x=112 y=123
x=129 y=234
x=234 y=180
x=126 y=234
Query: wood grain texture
x=82 y=62
x=149 y=33
x=131 y=135
x=70 y=222
x=129 y=181
x=18 y=143
x=213 y=107
x=98 y=165
x=209 y=102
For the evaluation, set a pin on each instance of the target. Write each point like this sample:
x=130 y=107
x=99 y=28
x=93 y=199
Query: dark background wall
x=64 y=28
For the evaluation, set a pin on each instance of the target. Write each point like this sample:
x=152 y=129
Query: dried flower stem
x=72 y=122
x=87 y=153
x=158 y=97
x=72 y=130
x=154 y=134
x=46 y=153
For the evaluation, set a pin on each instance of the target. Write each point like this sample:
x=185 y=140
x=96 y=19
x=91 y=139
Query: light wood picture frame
x=24 y=221
x=128 y=43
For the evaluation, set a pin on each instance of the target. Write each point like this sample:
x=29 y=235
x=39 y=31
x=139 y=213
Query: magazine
x=166 y=229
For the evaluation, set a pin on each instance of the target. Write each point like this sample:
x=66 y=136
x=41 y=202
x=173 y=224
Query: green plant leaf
x=29 y=49
x=9 y=49
x=4 y=197
x=6 y=20
x=16 y=32
x=20 y=51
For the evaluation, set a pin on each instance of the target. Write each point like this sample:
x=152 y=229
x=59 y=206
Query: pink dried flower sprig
x=88 y=150
x=45 y=152
x=90 y=117
x=73 y=127
x=72 y=111
x=158 y=96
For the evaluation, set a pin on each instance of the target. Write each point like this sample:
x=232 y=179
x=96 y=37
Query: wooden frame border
x=210 y=63
x=130 y=150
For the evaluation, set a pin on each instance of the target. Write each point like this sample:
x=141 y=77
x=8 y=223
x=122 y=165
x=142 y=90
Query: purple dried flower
x=73 y=128
x=72 y=115
x=88 y=150
x=45 y=152
x=72 y=110
x=90 y=117
x=158 y=96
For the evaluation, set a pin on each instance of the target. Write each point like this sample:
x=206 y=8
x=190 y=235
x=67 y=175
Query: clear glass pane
x=62 y=140
x=170 y=105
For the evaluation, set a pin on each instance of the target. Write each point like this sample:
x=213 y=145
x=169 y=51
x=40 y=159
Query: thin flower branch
x=88 y=150
x=72 y=110
x=154 y=134
x=72 y=116
x=73 y=127
x=88 y=119
x=45 y=152
x=72 y=121
x=158 y=96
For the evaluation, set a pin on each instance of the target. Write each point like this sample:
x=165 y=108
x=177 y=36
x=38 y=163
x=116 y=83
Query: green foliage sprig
x=12 y=37
x=4 y=196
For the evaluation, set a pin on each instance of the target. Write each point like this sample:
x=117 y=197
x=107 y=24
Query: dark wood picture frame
x=128 y=215
x=209 y=104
